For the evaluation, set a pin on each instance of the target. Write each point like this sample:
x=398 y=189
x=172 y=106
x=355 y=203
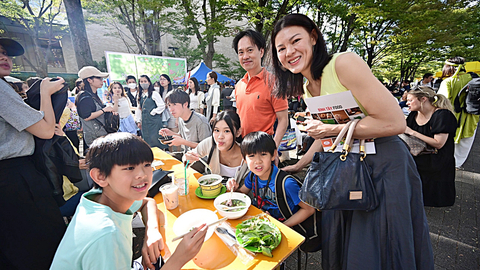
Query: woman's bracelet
x=102 y=110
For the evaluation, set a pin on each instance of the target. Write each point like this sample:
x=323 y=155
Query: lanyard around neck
x=256 y=189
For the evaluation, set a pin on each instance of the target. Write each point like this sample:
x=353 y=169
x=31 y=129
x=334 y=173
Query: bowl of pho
x=211 y=184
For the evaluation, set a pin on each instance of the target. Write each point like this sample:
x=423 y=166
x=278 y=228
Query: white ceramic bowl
x=194 y=218
x=232 y=214
x=212 y=189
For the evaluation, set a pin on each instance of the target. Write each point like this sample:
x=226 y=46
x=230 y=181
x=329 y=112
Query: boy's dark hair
x=254 y=36
x=130 y=77
x=178 y=96
x=121 y=148
x=427 y=75
x=258 y=142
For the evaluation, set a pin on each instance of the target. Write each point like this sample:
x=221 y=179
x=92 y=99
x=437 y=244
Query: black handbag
x=340 y=180
x=112 y=121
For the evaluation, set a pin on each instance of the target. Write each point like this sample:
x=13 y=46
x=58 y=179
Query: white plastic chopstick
x=210 y=224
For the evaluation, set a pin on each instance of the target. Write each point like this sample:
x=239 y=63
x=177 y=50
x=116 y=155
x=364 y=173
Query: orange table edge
x=214 y=253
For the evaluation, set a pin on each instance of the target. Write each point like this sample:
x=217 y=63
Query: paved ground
x=453 y=230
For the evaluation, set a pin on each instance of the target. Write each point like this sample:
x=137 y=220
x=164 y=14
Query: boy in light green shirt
x=100 y=234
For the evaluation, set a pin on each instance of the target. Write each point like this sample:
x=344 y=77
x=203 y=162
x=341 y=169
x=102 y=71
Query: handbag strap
x=347 y=146
x=340 y=136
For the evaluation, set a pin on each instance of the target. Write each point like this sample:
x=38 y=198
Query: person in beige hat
x=31 y=226
x=90 y=107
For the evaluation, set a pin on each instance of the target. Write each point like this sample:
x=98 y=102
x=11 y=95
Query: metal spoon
x=225 y=231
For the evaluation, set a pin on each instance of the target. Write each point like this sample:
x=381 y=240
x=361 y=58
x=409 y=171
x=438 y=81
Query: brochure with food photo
x=339 y=108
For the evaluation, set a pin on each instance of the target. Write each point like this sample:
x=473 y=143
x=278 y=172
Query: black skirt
x=31 y=226
x=393 y=236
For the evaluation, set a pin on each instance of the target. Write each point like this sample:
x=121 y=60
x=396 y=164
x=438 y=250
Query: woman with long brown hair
x=122 y=105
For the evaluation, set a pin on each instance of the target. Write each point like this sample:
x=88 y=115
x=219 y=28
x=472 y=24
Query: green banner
x=120 y=65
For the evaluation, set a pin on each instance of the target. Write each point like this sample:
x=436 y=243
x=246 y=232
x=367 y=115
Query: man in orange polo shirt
x=256 y=105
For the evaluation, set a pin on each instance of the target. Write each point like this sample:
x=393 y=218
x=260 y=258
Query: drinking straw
x=186 y=177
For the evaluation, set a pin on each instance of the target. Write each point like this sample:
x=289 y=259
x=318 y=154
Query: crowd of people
x=237 y=131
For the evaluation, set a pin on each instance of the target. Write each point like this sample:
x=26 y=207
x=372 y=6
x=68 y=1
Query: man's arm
x=282 y=125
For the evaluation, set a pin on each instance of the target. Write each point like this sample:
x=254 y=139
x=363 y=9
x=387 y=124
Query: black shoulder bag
x=112 y=121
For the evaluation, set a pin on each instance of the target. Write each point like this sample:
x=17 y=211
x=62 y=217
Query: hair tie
x=435 y=99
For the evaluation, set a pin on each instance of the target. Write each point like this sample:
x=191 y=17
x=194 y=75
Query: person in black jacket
x=132 y=90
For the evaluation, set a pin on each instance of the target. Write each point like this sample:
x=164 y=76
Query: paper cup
x=170 y=195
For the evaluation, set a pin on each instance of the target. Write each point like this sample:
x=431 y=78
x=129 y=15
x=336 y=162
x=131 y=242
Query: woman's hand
x=318 y=130
x=291 y=169
x=115 y=98
x=58 y=130
x=409 y=131
x=192 y=156
x=108 y=109
x=232 y=184
x=213 y=118
x=82 y=165
x=48 y=87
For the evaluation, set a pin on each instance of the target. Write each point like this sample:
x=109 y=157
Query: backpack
x=311 y=228
x=472 y=99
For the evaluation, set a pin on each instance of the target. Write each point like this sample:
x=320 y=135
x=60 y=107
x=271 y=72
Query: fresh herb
x=258 y=234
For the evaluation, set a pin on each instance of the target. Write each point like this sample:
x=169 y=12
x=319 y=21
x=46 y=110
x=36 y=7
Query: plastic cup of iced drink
x=170 y=195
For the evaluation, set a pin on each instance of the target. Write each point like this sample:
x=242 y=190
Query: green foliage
x=102 y=65
x=229 y=68
x=38 y=19
x=147 y=21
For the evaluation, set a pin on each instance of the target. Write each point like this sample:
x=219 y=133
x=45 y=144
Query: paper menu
x=339 y=108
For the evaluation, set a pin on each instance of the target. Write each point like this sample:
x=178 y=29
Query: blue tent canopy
x=201 y=71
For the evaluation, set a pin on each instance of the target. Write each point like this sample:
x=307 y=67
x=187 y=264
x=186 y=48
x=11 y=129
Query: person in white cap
x=31 y=226
x=90 y=107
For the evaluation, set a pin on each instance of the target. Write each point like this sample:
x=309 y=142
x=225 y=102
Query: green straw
x=186 y=177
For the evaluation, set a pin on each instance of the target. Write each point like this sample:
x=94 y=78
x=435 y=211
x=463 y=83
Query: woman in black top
x=432 y=121
x=89 y=106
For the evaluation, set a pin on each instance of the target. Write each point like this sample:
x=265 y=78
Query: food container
x=235 y=213
x=214 y=186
